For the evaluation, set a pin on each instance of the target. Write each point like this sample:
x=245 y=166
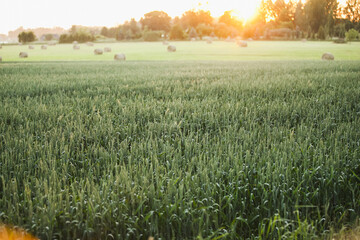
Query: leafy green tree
x=156 y=21
x=299 y=17
x=320 y=13
x=25 y=37
x=340 y=30
x=204 y=30
x=177 y=33
x=352 y=34
x=321 y=33
x=151 y=36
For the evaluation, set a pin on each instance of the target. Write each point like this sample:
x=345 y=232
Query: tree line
x=312 y=19
x=279 y=19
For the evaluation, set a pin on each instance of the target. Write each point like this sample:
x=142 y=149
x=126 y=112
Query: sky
x=65 y=13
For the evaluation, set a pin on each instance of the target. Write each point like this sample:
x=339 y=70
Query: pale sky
x=64 y=13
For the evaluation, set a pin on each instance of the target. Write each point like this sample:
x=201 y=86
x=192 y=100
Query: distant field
x=181 y=149
x=257 y=50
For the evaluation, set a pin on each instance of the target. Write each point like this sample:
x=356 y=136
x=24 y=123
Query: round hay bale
x=193 y=39
x=31 y=47
x=119 y=57
x=52 y=44
x=250 y=39
x=0 y=59
x=98 y=51
x=171 y=48
x=328 y=57
x=304 y=40
x=75 y=42
x=107 y=49
x=23 y=55
x=209 y=41
x=242 y=44
x=165 y=43
x=90 y=44
x=43 y=47
x=76 y=47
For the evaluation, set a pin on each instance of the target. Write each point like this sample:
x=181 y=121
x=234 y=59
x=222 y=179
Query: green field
x=180 y=149
x=257 y=50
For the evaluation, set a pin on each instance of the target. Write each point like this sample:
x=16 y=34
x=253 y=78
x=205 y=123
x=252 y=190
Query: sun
x=245 y=10
x=241 y=9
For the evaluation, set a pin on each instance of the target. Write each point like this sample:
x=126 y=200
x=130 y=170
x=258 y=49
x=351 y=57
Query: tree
x=352 y=34
x=321 y=33
x=177 y=33
x=192 y=33
x=231 y=21
x=352 y=10
x=156 y=21
x=193 y=19
x=25 y=37
x=104 y=31
x=189 y=19
x=299 y=18
x=204 y=30
x=340 y=30
x=320 y=13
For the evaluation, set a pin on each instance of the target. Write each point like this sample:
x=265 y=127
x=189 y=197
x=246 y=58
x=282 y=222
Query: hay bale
x=43 y=47
x=107 y=49
x=76 y=47
x=23 y=55
x=98 y=51
x=242 y=44
x=328 y=57
x=171 y=48
x=304 y=40
x=165 y=43
x=31 y=47
x=52 y=44
x=250 y=39
x=119 y=57
x=75 y=42
x=90 y=44
x=193 y=39
x=209 y=41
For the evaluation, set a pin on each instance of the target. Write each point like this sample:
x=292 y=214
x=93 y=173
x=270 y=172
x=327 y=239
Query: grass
x=180 y=149
x=155 y=51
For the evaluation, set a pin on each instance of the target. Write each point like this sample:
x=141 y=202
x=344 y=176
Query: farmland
x=218 y=50
x=180 y=149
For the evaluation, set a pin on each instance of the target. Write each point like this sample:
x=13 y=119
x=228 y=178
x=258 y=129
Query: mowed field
x=218 y=50
x=181 y=149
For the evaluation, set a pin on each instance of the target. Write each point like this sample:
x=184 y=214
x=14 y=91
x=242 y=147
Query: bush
x=152 y=36
x=352 y=34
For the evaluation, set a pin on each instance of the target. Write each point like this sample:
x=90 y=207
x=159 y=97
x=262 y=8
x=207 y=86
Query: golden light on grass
x=11 y=233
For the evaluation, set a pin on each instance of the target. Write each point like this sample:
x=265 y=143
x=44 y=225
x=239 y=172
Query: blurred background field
x=198 y=50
